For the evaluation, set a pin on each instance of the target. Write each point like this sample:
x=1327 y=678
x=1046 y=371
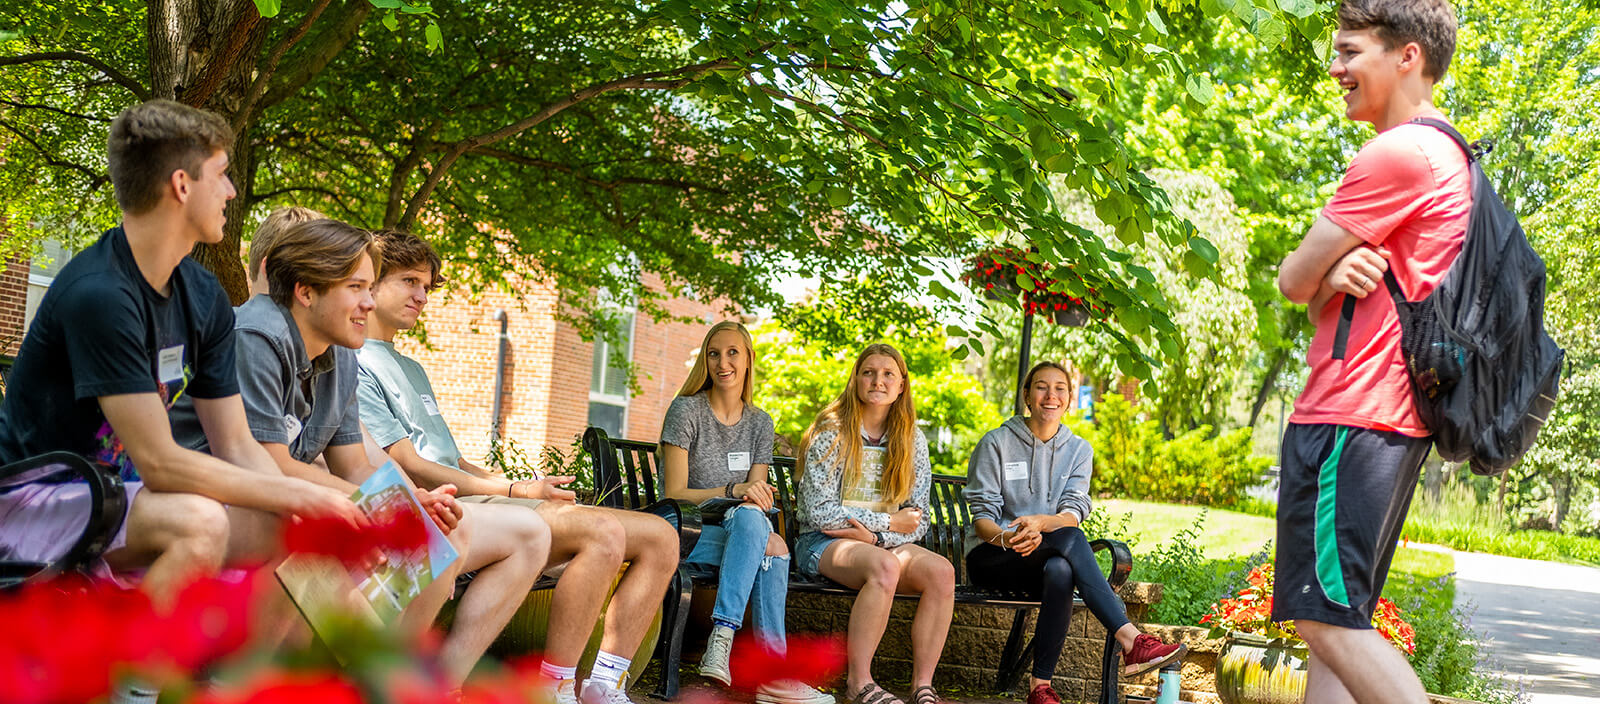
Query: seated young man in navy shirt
x=128 y=327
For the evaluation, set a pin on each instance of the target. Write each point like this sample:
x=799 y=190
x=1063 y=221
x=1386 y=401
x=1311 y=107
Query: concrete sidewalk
x=1541 y=621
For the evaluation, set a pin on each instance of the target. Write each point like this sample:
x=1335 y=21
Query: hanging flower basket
x=994 y=273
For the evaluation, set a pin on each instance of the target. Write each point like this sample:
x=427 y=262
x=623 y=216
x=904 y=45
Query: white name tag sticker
x=739 y=462
x=429 y=404
x=169 y=364
x=291 y=425
x=1016 y=471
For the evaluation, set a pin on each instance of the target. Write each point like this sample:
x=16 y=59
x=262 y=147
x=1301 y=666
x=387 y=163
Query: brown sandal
x=871 y=693
x=925 y=695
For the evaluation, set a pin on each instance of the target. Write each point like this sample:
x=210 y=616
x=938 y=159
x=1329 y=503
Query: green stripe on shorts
x=1330 y=574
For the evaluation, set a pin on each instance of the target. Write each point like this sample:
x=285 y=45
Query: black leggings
x=1062 y=562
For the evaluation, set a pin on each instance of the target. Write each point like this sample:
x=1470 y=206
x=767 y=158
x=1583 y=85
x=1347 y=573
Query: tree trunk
x=1280 y=357
x=204 y=53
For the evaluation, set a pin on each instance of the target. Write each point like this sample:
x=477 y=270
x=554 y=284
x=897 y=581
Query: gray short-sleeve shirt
x=718 y=453
x=398 y=403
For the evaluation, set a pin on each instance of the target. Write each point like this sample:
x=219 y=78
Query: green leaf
x=410 y=9
x=965 y=27
x=976 y=344
x=942 y=291
x=838 y=196
x=960 y=353
x=1270 y=30
x=1204 y=248
x=434 y=36
x=1097 y=151
x=1024 y=282
x=390 y=21
x=1298 y=8
x=1216 y=8
x=1154 y=18
x=1196 y=266
x=385 y=4
x=955 y=331
x=1128 y=232
x=1059 y=163
x=1199 y=88
x=267 y=8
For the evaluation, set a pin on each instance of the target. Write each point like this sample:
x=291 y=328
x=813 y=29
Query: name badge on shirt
x=169 y=364
x=1016 y=471
x=291 y=425
x=429 y=404
x=739 y=462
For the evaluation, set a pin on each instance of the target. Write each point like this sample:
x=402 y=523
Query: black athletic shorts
x=1343 y=494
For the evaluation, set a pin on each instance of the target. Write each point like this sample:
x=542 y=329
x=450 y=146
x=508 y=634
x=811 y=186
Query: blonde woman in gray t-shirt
x=715 y=444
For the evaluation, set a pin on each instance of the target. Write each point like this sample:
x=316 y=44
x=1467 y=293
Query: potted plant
x=1002 y=273
x=1264 y=661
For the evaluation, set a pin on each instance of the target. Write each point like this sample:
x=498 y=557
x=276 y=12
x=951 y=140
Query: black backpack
x=1483 y=372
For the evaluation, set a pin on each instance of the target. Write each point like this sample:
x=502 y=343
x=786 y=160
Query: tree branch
x=51 y=108
x=258 y=87
x=328 y=45
x=52 y=159
x=335 y=197
x=654 y=80
x=679 y=184
x=121 y=79
x=222 y=62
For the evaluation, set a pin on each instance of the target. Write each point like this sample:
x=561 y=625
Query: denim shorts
x=808 y=550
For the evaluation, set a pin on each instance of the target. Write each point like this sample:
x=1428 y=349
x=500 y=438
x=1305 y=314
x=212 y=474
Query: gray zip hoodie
x=1012 y=473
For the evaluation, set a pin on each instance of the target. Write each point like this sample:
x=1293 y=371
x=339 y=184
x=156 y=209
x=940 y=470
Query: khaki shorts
x=494 y=499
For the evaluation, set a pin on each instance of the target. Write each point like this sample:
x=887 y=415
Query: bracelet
x=728 y=490
x=877 y=540
x=509 y=488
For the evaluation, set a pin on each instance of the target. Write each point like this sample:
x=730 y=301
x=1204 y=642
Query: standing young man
x=1355 y=443
x=129 y=326
x=399 y=407
x=297 y=373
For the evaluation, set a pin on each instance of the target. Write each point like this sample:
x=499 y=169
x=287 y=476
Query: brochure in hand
x=330 y=594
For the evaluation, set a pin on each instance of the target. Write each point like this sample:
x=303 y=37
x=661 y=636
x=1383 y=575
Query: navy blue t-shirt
x=101 y=330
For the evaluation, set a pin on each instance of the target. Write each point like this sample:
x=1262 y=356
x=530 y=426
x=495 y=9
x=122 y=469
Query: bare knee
x=604 y=537
x=197 y=530
x=776 y=546
x=1317 y=634
x=941 y=577
x=884 y=571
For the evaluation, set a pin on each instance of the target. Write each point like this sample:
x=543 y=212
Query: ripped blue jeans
x=746 y=573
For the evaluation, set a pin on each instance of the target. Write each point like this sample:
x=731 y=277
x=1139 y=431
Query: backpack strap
x=1471 y=150
x=1347 y=313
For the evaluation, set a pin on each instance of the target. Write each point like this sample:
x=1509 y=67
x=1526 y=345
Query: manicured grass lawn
x=1225 y=534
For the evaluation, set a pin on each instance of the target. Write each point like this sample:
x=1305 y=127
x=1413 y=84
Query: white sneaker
x=714 y=663
x=597 y=693
x=791 y=692
x=566 y=692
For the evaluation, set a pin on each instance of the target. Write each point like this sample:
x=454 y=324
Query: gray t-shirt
x=718 y=453
x=397 y=402
x=275 y=377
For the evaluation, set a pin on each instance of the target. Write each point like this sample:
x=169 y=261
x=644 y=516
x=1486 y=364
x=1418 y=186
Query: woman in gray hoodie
x=1028 y=489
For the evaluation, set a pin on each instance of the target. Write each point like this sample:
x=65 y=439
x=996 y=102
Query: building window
x=42 y=270
x=608 y=383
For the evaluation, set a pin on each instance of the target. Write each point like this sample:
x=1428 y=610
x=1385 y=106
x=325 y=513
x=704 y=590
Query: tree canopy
x=719 y=144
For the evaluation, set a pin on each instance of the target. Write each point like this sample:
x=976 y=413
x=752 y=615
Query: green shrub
x=1133 y=461
x=1447 y=650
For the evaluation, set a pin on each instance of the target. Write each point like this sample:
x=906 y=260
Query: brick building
x=555 y=384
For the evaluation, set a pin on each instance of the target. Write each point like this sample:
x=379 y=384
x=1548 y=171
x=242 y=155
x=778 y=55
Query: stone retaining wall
x=977 y=637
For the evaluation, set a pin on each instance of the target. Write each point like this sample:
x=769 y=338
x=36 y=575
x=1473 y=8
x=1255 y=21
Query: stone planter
x=1252 y=669
x=1074 y=316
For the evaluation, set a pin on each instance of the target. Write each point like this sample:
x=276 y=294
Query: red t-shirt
x=1409 y=191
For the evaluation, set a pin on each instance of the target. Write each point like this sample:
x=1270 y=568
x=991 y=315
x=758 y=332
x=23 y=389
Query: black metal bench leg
x=674 y=621
x=1110 y=671
x=1016 y=653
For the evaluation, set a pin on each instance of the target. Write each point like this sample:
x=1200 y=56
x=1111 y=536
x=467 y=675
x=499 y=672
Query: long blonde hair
x=700 y=374
x=843 y=415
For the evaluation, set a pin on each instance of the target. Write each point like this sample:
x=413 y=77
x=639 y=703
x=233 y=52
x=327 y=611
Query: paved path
x=1541 y=621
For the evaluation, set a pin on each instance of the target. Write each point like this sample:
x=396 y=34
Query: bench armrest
x=108 y=505
x=1121 y=560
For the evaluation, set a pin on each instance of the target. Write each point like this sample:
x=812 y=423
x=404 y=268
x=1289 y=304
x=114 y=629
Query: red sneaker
x=1044 y=694
x=1149 y=653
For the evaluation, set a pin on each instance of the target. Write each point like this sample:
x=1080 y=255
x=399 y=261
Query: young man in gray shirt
x=297 y=376
x=400 y=409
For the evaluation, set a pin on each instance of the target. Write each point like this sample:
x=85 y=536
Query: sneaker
x=566 y=692
x=714 y=663
x=1044 y=694
x=1149 y=653
x=791 y=692
x=597 y=693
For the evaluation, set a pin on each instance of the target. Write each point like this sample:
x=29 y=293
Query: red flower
x=210 y=619
x=811 y=659
x=399 y=529
x=290 y=688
